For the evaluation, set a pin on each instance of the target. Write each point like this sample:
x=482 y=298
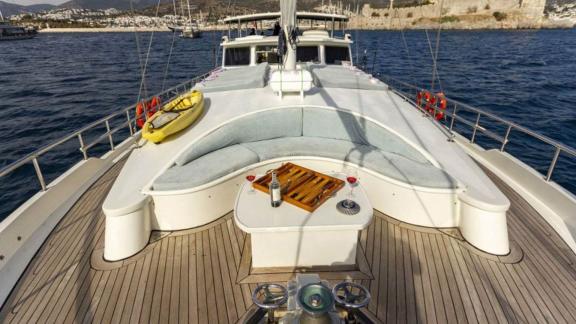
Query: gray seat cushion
x=388 y=164
x=345 y=126
x=335 y=76
x=301 y=146
x=284 y=122
x=314 y=132
x=400 y=168
x=206 y=168
x=237 y=79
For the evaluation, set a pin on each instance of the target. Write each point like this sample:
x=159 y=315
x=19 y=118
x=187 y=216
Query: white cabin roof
x=276 y=15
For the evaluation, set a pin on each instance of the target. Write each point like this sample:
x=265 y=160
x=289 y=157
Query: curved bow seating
x=314 y=132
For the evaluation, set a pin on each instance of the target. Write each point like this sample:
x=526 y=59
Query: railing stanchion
x=33 y=157
x=453 y=118
x=39 y=173
x=475 y=128
x=145 y=110
x=129 y=122
x=109 y=135
x=505 y=141
x=82 y=146
x=553 y=164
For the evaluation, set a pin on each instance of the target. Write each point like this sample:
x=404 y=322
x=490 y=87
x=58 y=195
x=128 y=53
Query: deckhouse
x=251 y=40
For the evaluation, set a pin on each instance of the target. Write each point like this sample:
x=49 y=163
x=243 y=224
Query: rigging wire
x=435 y=55
x=170 y=54
x=168 y=62
x=137 y=38
x=410 y=59
x=434 y=52
x=357 y=36
x=223 y=31
x=215 y=42
x=405 y=43
x=435 y=73
x=148 y=52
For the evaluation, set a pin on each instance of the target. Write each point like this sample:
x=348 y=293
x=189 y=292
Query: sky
x=29 y=2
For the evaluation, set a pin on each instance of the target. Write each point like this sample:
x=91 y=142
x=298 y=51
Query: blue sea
x=57 y=83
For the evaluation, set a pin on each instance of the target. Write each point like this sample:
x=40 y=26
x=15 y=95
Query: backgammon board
x=301 y=187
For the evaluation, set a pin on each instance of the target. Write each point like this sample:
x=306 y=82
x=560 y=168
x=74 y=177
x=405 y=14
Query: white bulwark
x=320 y=111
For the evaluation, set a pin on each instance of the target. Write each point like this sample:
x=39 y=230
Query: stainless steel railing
x=454 y=112
x=129 y=122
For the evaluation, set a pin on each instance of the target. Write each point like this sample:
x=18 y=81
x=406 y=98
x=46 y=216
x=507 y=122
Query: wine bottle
x=274 y=189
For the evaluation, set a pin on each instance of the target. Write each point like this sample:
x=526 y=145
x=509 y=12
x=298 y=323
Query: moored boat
x=11 y=32
x=190 y=31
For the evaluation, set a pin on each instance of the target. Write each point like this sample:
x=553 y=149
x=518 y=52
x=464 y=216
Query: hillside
x=9 y=9
x=219 y=8
x=105 y=4
x=216 y=5
x=261 y=5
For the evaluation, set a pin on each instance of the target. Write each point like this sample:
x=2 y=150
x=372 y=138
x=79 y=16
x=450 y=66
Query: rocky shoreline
x=119 y=29
x=445 y=26
x=466 y=15
x=479 y=25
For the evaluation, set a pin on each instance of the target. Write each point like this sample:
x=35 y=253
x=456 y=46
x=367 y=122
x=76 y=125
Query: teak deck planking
x=193 y=276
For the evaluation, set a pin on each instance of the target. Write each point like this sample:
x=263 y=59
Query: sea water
x=57 y=83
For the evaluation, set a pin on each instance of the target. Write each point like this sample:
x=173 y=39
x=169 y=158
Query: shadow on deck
x=203 y=275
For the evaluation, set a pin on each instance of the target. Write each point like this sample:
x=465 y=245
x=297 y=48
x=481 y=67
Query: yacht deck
x=203 y=275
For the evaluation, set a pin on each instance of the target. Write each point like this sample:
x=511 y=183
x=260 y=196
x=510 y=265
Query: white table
x=289 y=236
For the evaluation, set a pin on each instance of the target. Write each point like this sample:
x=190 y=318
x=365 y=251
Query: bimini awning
x=276 y=15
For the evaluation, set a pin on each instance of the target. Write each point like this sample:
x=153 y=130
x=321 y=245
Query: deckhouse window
x=267 y=53
x=337 y=55
x=237 y=56
x=307 y=54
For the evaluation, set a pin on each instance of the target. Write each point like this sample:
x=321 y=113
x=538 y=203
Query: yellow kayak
x=174 y=116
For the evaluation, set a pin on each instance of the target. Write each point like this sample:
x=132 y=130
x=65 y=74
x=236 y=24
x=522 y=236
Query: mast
x=189 y=13
x=288 y=22
x=182 y=8
x=289 y=79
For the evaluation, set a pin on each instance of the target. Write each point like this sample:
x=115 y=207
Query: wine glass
x=250 y=178
x=352 y=179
